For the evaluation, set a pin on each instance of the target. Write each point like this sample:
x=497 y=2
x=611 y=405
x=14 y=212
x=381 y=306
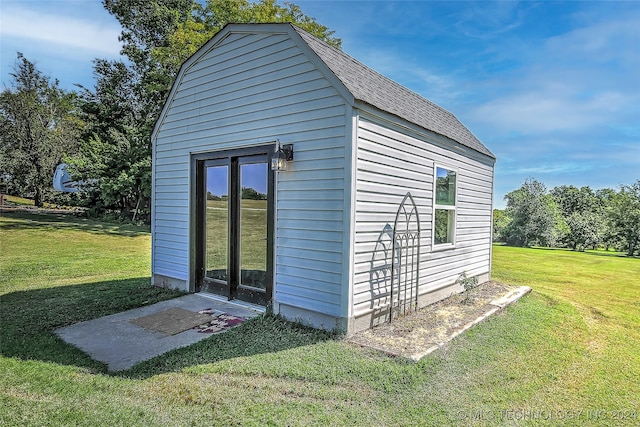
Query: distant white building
x=319 y=246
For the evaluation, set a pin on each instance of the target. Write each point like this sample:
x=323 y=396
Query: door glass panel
x=217 y=223
x=253 y=225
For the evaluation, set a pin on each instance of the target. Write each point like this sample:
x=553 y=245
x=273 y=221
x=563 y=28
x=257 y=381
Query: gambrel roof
x=364 y=84
x=373 y=88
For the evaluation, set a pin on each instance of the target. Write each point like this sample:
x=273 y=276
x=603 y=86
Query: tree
x=625 y=216
x=610 y=238
x=157 y=37
x=534 y=216
x=500 y=221
x=115 y=150
x=571 y=199
x=123 y=107
x=583 y=215
x=249 y=193
x=205 y=21
x=585 y=230
x=38 y=126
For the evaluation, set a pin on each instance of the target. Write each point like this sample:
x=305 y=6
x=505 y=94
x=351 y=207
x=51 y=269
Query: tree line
x=104 y=133
x=246 y=193
x=571 y=217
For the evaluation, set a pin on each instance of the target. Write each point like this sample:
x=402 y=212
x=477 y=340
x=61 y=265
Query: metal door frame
x=232 y=289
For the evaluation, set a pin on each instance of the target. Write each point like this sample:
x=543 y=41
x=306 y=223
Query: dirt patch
x=421 y=332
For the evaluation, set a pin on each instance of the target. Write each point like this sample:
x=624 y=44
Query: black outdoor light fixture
x=282 y=155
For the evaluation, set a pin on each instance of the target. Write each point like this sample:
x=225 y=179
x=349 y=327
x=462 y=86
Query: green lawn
x=569 y=350
x=21 y=201
x=253 y=235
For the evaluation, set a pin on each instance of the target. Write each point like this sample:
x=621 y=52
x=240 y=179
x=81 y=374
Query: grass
x=22 y=202
x=17 y=201
x=569 y=350
x=253 y=235
x=602 y=294
x=57 y=270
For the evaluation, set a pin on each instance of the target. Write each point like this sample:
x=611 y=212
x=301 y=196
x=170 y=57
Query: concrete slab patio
x=121 y=344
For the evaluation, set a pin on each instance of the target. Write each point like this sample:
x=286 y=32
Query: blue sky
x=552 y=88
x=252 y=175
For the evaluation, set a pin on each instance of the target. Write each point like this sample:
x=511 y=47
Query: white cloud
x=577 y=82
x=546 y=110
x=547 y=168
x=415 y=75
x=485 y=20
x=615 y=39
x=47 y=27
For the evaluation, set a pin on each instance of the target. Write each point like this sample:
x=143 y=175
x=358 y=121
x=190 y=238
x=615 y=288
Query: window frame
x=450 y=208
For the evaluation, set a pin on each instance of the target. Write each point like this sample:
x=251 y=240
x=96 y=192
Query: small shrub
x=468 y=283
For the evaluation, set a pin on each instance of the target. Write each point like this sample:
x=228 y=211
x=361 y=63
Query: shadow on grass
x=29 y=318
x=40 y=221
x=263 y=334
x=610 y=254
x=596 y=252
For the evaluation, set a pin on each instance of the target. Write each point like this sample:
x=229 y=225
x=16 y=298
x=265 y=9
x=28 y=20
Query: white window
x=444 y=218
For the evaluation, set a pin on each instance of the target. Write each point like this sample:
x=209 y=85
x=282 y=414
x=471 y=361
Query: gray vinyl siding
x=247 y=90
x=392 y=161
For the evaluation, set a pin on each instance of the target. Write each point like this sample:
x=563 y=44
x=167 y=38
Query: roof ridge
x=378 y=90
x=303 y=32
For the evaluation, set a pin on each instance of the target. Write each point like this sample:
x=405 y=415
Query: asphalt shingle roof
x=373 y=88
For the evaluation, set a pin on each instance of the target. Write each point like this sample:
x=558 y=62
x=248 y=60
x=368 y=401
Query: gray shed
x=285 y=172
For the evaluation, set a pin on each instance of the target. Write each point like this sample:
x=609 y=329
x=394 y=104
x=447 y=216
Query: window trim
x=453 y=208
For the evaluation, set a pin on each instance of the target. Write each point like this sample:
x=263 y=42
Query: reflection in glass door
x=234 y=227
x=253 y=225
x=217 y=223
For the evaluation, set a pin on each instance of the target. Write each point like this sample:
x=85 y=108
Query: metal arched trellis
x=405 y=269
